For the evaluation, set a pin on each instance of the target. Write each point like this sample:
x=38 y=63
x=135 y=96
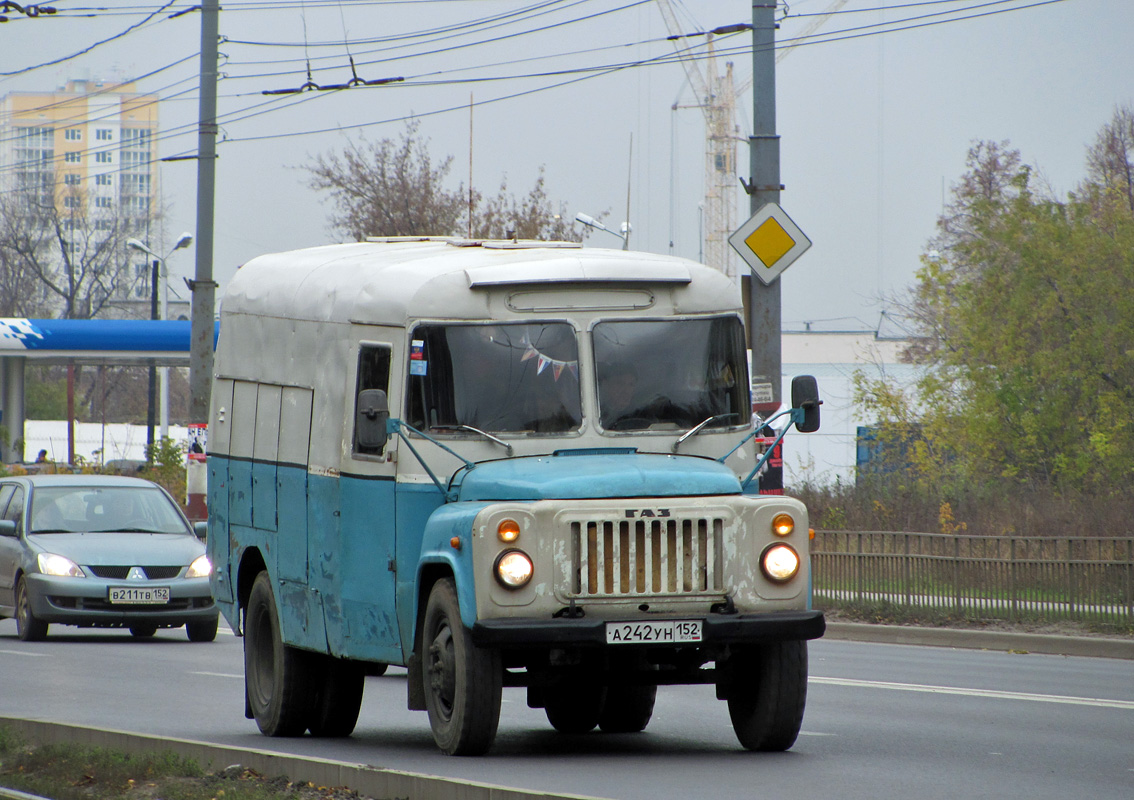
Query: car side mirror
x=7 y=527
x=805 y=396
x=201 y=529
x=370 y=420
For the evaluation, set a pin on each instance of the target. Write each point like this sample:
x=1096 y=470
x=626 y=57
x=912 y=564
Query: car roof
x=38 y=481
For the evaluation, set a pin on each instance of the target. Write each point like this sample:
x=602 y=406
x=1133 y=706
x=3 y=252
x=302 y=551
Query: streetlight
x=162 y=275
x=591 y=222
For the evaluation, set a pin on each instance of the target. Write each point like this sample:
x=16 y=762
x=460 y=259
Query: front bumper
x=718 y=629
x=84 y=602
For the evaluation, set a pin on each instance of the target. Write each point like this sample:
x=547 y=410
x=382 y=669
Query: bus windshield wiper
x=697 y=428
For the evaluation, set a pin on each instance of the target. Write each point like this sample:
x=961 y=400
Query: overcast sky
x=876 y=114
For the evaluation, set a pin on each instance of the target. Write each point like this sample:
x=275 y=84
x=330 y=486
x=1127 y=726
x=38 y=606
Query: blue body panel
x=572 y=476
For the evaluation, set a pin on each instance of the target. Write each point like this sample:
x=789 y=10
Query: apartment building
x=89 y=151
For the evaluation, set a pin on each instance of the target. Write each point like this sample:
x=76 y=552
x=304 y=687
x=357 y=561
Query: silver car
x=101 y=551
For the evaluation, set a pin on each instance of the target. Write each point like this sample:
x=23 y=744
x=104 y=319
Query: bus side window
x=373 y=373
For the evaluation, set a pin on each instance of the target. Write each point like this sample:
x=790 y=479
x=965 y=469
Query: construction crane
x=716 y=97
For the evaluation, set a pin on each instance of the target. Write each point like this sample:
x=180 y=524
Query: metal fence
x=1034 y=579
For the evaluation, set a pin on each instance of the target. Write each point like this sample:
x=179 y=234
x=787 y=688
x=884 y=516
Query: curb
x=366 y=780
x=966 y=639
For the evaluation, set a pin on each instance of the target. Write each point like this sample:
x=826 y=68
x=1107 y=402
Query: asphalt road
x=882 y=721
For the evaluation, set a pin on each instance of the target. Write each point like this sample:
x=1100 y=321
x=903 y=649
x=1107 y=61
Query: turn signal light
x=783 y=524
x=508 y=531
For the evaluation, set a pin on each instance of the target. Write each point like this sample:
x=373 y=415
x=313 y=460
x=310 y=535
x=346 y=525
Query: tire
x=28 y=627
x=574 y=707
x=767 y=693
x=339 y=697
x=627 y=709
x=202 y=631
x=143 y=631
x=462 y=682
x=276 y=676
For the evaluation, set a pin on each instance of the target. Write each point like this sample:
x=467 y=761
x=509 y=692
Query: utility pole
x=764 y=174
x=203 y=287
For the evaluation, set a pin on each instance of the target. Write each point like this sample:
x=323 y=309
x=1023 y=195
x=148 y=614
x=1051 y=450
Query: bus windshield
x=498 y=378
x=671 y=374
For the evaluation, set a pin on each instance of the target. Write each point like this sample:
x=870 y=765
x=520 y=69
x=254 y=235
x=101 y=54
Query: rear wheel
x=340 y=686
x=143 y=631
x=627 y=709
x=574 y=707
x=202 y=631
x=767 y=692
x=462 y=681
x=29 y=627
x=276 y=676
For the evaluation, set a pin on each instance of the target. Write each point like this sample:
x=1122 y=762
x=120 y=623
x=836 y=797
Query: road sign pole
x=764 y=187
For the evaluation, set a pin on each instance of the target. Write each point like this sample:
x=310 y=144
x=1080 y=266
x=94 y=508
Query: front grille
x=641 y=557
x=152 y=573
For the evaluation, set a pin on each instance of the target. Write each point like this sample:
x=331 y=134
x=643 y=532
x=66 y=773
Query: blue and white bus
x=500 y=463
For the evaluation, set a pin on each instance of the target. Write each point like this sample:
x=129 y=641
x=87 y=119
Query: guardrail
x=1016 y=578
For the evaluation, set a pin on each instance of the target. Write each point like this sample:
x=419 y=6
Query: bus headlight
x=779 y=563
x=513 y=569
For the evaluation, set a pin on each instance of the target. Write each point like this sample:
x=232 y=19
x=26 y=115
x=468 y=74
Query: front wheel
x=627 y=709
x=462 y=681
x=28 y=626
x=275 y=675
x=767 y=692
x=143 y=630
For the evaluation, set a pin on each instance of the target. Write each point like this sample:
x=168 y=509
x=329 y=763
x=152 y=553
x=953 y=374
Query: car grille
x=120 y=573
x=643 y=557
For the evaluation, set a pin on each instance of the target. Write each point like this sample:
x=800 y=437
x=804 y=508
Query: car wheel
x=339 y=687
x=276 y=676
x=143 y=631
x=202 y=631
x=28 y=627
x=462 y=681
x=574 y=707
x=767 y=691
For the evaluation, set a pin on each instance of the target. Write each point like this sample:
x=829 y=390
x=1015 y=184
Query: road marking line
x=23 y=653
x=1038 y=698
x=217 y=674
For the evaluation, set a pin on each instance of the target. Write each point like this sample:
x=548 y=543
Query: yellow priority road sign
x=769 y=241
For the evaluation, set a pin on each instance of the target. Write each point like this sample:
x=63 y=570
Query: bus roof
x=388 y=281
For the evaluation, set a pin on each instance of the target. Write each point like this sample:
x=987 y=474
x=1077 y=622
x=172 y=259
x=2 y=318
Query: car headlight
x=59 y=566
x=779 y=563
x=201 y=568
x=513 y=569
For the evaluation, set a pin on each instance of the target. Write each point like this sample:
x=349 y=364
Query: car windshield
x=499 y=378
x=671 y=374
x=99 y=509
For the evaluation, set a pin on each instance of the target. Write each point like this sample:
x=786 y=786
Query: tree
x=62 y=256
x=1024 y=309
x=394 y=188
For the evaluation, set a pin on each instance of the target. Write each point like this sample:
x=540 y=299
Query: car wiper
x=697 y=428
x=128 y=530
x=51 y=530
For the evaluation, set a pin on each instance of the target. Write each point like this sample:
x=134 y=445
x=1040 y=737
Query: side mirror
x=805 y=396
x=370 y=421
x=7 y=527
x=201 y=529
